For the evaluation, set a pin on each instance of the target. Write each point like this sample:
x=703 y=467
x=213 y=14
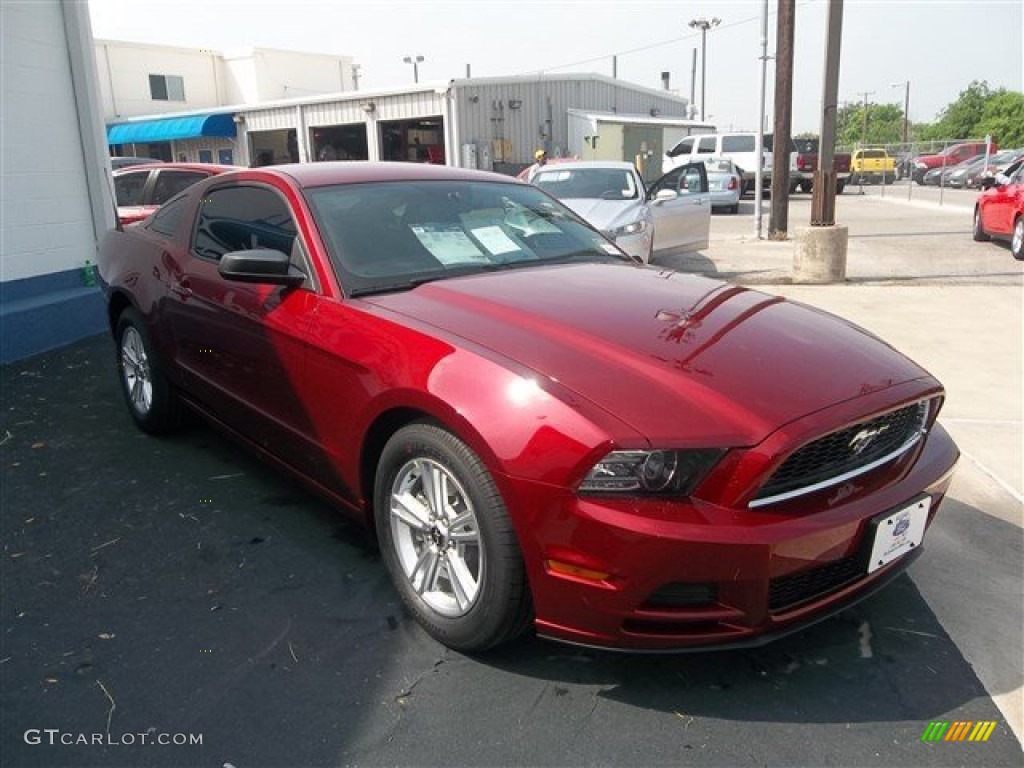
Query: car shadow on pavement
x=201 y=592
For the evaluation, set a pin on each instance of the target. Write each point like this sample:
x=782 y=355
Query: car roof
x=207 y=167
x=357 y=172
x=607 y=165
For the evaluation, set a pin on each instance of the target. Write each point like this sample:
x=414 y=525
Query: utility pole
x=906 y=109
x=759 y=171
x=704 y=24
x=823 y=199
x=693 y=85
x=864 y=127
x=778 y=223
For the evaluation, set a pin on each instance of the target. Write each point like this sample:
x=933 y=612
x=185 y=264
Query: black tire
x=1017 y=240
x=151 y=400
x=840 y=186
x=805 y=186
x=979 y=229
x=418 y=546
x=735 y=208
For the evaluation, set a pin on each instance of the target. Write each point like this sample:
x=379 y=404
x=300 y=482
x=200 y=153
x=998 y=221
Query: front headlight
x=635 y=228
x=662 y=472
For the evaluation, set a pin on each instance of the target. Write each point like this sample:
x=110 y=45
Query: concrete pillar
x=820 y=255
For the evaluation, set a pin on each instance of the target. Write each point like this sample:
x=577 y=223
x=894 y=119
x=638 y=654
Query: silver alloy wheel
x=436 y=537
x=1018 y=236
x=135 y=370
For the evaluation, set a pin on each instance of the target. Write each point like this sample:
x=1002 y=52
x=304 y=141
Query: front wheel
x=151 y=400
x=1017 y=242
x=980 y=235
x=447 y=540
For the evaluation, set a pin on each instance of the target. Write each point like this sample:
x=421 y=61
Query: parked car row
x=539 y=431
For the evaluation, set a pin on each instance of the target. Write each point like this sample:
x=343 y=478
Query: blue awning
x=169 y=128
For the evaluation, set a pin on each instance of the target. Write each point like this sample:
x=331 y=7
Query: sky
x=938 y=47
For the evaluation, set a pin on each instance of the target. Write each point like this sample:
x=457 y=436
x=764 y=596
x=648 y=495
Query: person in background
x=540 y=160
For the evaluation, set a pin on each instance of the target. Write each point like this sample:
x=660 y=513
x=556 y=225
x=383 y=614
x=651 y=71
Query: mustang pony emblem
x=864 y=438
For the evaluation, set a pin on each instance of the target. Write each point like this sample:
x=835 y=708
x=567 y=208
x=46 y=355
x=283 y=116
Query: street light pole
x=704 y=24
x=415 y=66
x=906 y=108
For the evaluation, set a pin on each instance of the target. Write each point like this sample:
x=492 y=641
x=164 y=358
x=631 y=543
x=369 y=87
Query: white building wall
x=124 y=69
x=46 y=223
x=211 y=78
x=269 y=75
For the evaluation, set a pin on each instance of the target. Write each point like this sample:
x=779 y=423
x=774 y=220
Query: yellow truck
x=869 y=166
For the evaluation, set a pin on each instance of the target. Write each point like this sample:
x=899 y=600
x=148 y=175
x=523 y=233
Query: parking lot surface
x=178 y=587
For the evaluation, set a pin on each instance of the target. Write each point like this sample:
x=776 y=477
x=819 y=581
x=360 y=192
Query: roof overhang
x=171 y=128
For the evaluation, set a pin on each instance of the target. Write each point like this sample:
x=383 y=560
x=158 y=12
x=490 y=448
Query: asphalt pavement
x=168 y=589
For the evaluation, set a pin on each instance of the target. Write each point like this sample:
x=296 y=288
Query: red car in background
x=999 y=212
x=142 y=189
x=540 y=431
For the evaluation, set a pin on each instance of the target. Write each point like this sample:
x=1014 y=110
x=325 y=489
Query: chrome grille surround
x=846 y=453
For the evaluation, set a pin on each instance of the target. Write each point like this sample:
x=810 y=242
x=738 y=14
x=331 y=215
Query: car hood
x=674 y=356
x=605 y=214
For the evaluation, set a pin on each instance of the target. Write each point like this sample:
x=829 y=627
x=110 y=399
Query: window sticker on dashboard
x=495 y=240
x=449 y=244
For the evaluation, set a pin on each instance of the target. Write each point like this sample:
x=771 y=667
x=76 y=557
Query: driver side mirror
x=664 y=195
x=260 y=266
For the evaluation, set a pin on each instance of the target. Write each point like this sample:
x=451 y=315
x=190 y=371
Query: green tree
x=1003 y=118
x=960 y=119
x=883 y=124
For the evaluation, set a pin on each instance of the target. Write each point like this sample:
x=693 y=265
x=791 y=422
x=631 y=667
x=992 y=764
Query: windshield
x=588 y=183
x=392 y=236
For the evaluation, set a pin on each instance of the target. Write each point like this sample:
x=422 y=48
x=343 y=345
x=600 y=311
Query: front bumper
x=685 y=575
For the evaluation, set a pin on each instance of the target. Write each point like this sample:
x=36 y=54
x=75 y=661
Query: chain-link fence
x=963 y=164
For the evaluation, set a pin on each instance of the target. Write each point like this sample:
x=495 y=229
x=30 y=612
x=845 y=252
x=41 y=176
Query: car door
x=682 y=213
x=1003 y=204
x=241 y=347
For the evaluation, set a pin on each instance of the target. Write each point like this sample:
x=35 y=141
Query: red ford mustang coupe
x=540 y=431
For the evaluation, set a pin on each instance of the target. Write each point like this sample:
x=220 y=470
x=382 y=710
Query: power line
x=673 y=41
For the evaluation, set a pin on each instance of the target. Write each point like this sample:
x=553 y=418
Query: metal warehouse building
x=486 y=123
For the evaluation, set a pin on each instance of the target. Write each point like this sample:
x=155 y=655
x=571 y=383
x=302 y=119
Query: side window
x=128 y=187
x=694 y=179
x=243 y=218
x=669 y=181
x=684 y=147
x=170 y=183
x=706 y=145
x=167 y=219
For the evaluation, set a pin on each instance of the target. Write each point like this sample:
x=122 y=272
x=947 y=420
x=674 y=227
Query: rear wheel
x=979 y=228
x=840 y=186
x=1017 y=242
x=805 y=186
x=447 y=540
x=734 y=208
x=151 y=400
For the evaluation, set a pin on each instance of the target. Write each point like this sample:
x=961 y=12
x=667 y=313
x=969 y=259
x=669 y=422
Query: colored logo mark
x=965 y=730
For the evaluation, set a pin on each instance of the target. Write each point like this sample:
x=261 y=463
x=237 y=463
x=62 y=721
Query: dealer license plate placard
x=899 y=532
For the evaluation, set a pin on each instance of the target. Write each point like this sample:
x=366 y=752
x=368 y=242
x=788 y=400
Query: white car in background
x=724 y=182
x=674 y=213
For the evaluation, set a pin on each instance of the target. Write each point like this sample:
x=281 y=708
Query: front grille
x=790 y=591
x=841 y=454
